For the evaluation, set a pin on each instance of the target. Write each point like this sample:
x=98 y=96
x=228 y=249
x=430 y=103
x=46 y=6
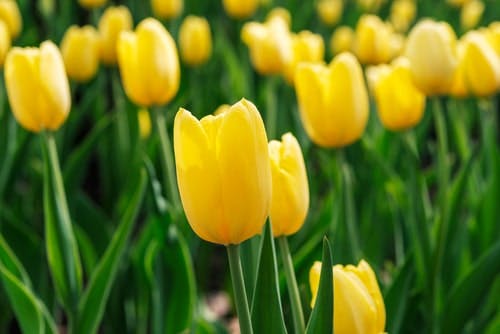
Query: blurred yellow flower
x=329 y=11
x=458 y=87
x=372 y=40
x=223 y=173
x=290 y=188
x=149 y=64
x=144 y=121
x=195 y=40
x=89 y=4
x=167 y=9
x=471 y=14
x=492 y=34
x=371 y=6
x=80 y=52
x=402 y=14
x=306 y=47
x=282 y=13
x=113 y=21
x=431 y=49
x=4 y=42
x=342 y=40
x=240 y=9
x=333 y=100
x=358 y=304
x=37 y=87
x=10 y=14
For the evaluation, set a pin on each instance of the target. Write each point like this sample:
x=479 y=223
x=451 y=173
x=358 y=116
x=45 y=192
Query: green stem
x=167 y=157
x=271 y=107
x=293 y=290
x=240 y=295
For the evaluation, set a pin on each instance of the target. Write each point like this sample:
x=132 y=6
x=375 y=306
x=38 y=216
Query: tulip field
x=250 y=166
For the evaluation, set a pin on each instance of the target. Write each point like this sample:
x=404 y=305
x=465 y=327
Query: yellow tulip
x=113 y=21
x=281 y=13
x=89 y=4
x=333 y=100
x=471 y=13
x=240 y=9
x=458 y=87
x=431 y=49
x=4 y=42
x=373 y=40
x=37 y=87
x=306 y=47
x=223 y=173
x=167 y=9
x=269 y=43
x=80 y=52
x=195 y=40
x=358 y=304
x=149 y=64
x=144 y=121
x=290 y=189
x=10 y=14
x=402 y=14
x=329 y=11
x=481 y=65
x=400 y=105
x=221 y=109
x=342 y=40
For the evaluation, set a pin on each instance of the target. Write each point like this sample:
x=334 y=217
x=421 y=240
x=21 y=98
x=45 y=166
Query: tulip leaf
x=11 y=263
x=321 y=319
x=466 y=296
x=91 y=306
x=267 y=313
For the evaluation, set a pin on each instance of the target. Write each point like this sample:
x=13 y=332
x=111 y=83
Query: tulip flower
x=306 y=47
x=270 y=44
x=471 y=13
x=290 y=189
x=4 y=42
x=149 y=64
x=333 y=100
x=167 y=9
x=144 y=121
x=358 y=304
x=400 y=105
x=195 y=40
x=240 y=9
x=458 y=87
x=80 y=52
x=373 y=40
x=402 y=14
x=113 y=21
x=10 y=14
x=492 y=34
x=37 y=87
x=223 y=173
x=281 y=13
x=329 y=11
x=342 y=40
x=433 y=71
x=90 y=4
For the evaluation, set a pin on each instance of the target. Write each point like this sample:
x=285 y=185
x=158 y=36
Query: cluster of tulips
x=227 y=172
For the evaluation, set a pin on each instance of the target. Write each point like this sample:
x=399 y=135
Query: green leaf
x=321 y=320
x=267 y=313
x=466 y=296
x=11 y=263
x=91 y=307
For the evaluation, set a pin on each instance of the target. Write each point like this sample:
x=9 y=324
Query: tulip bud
x=223 y=173
x=167 y=9
x=329 y=11
x=400 y=105
x=144 y=121
x=342 y=40
x=195 y=40
x=306 y=47
x=290 y=189
x=402 y=14
x=333 y=100
x=9 y=13
x=37 y=87
x=4 y=42
x=358 y=306
x=113 y=21
x=240 y=9
x=90 y=4
x=471 y=13
x=269 y=43
x=433 y=71
x=80 y=52
x=149 y=64
x=373 y=40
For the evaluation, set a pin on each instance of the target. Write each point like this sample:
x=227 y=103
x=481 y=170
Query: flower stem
x=293 y=290
x=240 y=296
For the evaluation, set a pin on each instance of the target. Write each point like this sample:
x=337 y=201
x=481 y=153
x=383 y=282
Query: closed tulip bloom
x=37 y=87
x=400 y=105
x=89 y=4
x=481 y=65
x=10 y=14
x=342 y=40
x=358 y=304
x=373 y=40
x=493 y=36
x=402 y=14
x=195 y=40
x=306 y=47
x=240 y=9
x=281 y=13
x=4 y=42
x=149 y=64
x=431 y=49
x=471 y=14
x=329 y=11
x=458 y=87
x=80 y=52
x=113 y=21
x=333 y=100
x=144 y=121
x=223 y=173
x=290 y=190
x=167 y=9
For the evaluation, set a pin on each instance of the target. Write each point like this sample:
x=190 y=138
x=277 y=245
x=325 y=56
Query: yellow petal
x=314 y=274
